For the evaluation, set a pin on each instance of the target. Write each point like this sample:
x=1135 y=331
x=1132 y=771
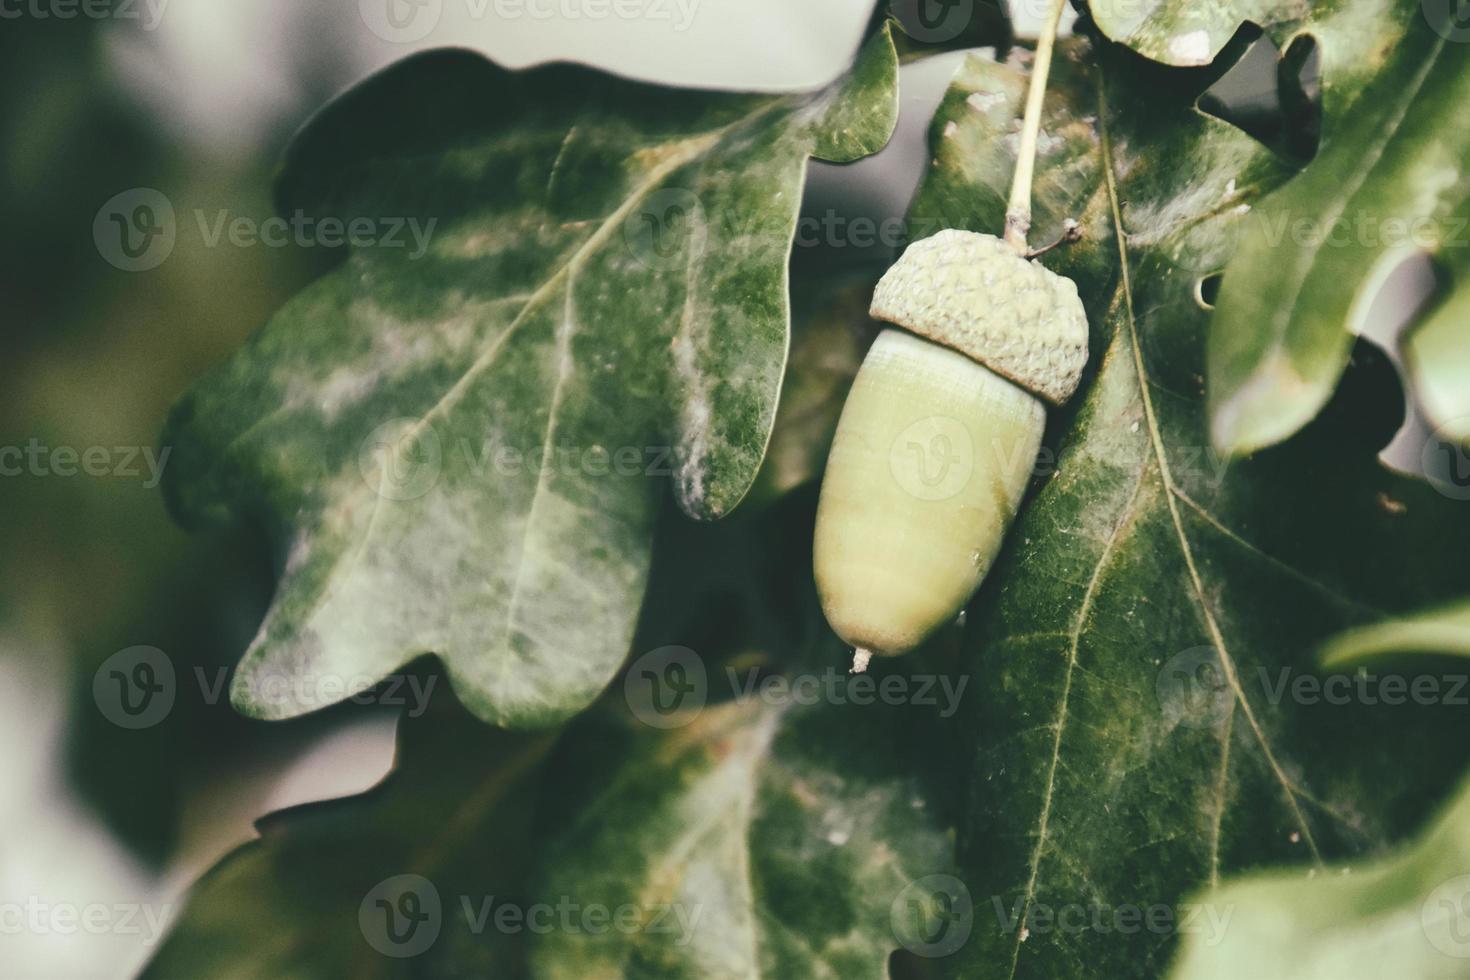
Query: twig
x=1018 y=208
x=1071 y=232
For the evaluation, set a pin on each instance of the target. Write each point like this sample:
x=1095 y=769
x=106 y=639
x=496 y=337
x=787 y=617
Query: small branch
x=1071 y=232
x=1018 y=208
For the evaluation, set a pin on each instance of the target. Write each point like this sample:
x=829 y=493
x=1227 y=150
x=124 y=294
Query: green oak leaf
x=1437 y=358
x=786 y=841
x=461 y=451
x=743 y=830
x=827 y=348
x=446 y=831
x=1445 y=629
x=1132 y=741
x=1353 y=36
x=1390 y=180
x=1177 y=32
x=1405 y=916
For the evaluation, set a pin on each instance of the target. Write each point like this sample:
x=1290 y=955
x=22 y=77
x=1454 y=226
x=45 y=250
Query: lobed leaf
x=461 y=451
x=1403 y=916
x=1391 y=180
x=1442 y=630
x=784 y=840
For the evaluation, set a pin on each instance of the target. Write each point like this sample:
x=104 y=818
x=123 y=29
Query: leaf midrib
x=1227 y=662
x=692 y=149
x=1172 y=495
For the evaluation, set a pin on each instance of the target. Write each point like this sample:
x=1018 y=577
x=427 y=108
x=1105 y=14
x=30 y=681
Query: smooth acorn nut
x=939 y=435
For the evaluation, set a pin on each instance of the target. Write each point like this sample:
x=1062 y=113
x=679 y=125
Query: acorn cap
x=976 y=294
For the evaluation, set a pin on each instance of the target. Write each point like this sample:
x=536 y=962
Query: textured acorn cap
x=976 y=294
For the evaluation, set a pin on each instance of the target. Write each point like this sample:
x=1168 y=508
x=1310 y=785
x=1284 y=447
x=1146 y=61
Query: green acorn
x=939 y=435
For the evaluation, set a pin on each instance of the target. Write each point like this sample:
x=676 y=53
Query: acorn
x=939 y=435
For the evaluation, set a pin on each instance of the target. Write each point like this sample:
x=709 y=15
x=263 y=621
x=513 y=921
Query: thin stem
x=1018 y=209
